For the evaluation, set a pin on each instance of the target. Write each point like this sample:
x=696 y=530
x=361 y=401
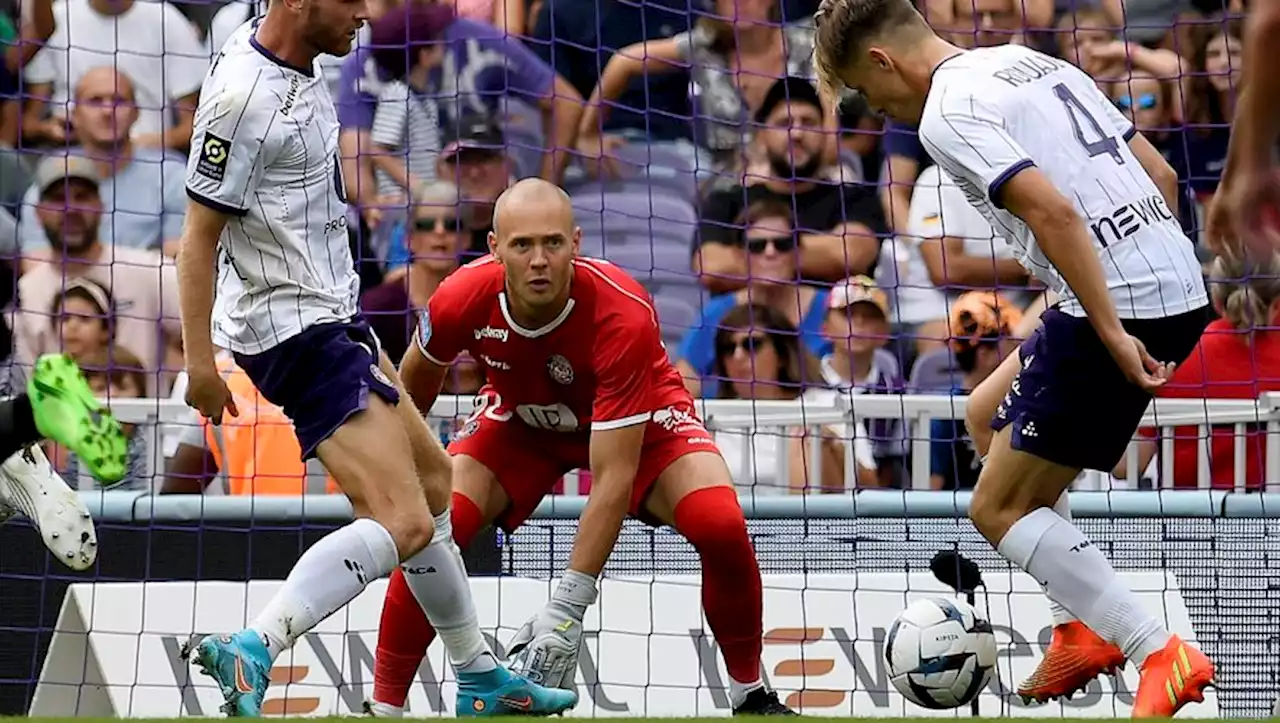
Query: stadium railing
x=161 y=416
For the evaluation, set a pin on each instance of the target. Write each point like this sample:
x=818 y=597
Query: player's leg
x=1048 y=428
x=693 y=492
x=404 y=634
x=1076 y=655
x=60 y=406
x=493 y=451
x=29 y=485
x=326 y=381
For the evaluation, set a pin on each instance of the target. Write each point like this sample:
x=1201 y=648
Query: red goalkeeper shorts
x=528 y=462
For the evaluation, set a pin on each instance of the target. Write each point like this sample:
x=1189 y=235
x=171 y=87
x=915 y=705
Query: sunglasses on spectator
x=1146 y=101
x=428 y=225
x=749 y=344
x=782 y=243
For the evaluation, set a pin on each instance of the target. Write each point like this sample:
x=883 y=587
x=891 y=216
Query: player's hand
x=208 y=394
x=1138 y=365
x=545 y=649
x=1245 y=214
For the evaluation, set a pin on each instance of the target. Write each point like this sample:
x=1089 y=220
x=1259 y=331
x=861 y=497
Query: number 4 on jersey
x=1106 y=144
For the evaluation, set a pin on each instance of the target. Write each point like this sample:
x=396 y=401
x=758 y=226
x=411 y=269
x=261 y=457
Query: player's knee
x=712 y=519
x=994 y=507
x=412 y=530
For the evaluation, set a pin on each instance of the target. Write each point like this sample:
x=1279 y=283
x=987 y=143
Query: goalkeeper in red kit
x=576 y=378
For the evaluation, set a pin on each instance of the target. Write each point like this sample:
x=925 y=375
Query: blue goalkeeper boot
x=241 y=666
x=502 y=692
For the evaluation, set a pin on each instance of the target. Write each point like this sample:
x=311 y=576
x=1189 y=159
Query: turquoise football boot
x=501 y=692
x=241 y=666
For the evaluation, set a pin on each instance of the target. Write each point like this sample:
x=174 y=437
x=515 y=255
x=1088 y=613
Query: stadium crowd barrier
x=161 y=416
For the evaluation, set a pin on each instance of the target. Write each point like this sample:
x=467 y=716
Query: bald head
x=529 y=197
x=104 y=82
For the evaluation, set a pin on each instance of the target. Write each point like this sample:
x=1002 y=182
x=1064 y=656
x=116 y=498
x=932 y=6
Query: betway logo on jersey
x=1130 y=218
x=646 y=649
x=491 y=333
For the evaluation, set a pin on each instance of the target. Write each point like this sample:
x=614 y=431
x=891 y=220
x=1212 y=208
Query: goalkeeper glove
x=545 y=649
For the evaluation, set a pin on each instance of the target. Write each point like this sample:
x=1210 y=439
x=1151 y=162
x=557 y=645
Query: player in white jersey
x=1066 y=180
x=1246 y=206
x=267 y=213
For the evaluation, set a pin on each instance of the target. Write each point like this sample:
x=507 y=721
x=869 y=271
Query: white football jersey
x=264 y=150
x=993 y=112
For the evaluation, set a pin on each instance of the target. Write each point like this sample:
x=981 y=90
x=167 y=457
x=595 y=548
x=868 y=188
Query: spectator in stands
x=578 y=37
x=1238 y=357
x=759 y=357
x=950 y=248
x=1152 y=106
x=150 y=42
x=986 y=23
x=112 y=373
x=838 y=223
x=255 y=452
x=83 y=320
x=468 y=66
x=142 y=190
x=1209 y=88
x=982 y=327
x=857 y=325
x=1079 y=32
x=436 y=240
x=769 y=244
x=144 y=285
x=734 y=56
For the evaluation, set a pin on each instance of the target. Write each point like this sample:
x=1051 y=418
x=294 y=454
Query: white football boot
x=30 y=486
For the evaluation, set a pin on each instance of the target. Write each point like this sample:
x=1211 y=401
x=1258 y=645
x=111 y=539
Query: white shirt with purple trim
x=264 y=151
x=994 y=112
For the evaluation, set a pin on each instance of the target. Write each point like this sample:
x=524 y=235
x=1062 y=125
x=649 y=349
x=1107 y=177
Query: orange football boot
x=1171 y=678
x=1076 y=656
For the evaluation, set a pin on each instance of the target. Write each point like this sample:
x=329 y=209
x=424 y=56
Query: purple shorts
x=321 y=378
x=1070 y=404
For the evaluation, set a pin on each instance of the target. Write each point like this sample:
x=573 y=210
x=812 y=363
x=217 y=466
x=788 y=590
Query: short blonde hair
x=844 y=27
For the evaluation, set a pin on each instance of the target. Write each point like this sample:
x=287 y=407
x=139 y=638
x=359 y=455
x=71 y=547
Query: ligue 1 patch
x=214 y=152
x=380 y=375
x=560 y=370
x=424 y=328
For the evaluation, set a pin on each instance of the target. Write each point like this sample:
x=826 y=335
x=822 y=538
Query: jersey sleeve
x=442 y=326
x=624 y=374
x=967 y=138
x=233 y=140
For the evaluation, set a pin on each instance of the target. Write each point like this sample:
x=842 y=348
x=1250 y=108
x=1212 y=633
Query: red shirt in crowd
x=1226 y=364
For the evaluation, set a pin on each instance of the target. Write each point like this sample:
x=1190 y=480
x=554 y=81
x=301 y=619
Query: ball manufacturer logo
x=560 y=370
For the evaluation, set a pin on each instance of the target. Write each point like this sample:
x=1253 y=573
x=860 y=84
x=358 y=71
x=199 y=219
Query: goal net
x=806 y=263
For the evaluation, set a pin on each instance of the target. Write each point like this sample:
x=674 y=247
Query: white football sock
x=1060 y=614
x=738 y=691
x=438 y=579
x=385 y=710
x=1076 y=574
x=327 y=576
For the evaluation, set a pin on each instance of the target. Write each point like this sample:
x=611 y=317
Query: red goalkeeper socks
x=404 y=633
x=711 y=520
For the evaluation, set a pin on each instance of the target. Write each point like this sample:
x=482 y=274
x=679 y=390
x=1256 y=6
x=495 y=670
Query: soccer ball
x=941 y=653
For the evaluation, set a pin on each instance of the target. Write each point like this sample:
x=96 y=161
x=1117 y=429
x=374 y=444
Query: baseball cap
x=396 y=37
x=472 y=132
x=790 y=88
x=55 y=169
x=979 y=316
x=858 y=290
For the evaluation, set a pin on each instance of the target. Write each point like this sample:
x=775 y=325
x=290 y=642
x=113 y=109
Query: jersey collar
x=540 y=331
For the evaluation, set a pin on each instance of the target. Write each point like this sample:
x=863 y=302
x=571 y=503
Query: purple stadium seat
x=935 y=372
x=609 y=219
x=662 y=168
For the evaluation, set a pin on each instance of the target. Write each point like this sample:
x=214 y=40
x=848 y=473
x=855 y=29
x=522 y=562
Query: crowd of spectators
x=794 y=250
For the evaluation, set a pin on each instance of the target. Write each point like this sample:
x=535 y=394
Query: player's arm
x=1153 y=162
x=436 y=343
x=971 y=142
x=231 y=147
